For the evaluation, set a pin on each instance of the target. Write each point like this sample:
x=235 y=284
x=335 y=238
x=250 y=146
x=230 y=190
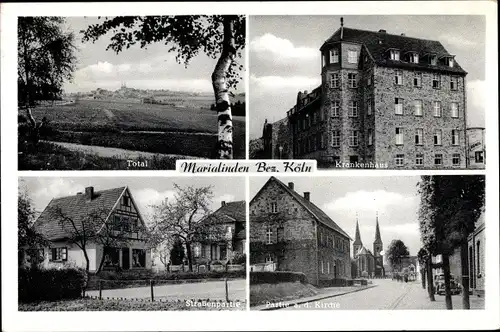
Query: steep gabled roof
x=230 y=212
x=77 y=208
x=377 y=44
x=315 y=211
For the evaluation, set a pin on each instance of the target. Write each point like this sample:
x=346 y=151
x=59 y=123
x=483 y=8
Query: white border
x=344 y=320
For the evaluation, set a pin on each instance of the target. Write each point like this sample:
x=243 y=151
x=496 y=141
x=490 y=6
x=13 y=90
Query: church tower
x=357 y=244
x=377 y=248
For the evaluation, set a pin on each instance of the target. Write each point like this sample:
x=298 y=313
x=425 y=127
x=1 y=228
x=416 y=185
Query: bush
x=276 y=277
x=338 y=282
x=50 y=284
x=240 y=259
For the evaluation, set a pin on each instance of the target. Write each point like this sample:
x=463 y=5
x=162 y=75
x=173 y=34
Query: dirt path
x=103 y=151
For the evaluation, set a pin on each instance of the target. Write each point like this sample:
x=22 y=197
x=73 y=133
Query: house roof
x=317 y=213
x=77 y=208
x=230 y=212
x=377 y=44
x=364 y=251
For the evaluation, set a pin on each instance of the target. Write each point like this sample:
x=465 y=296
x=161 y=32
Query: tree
x=449 y=209
x=46 y=58
x=217 y=36
x=27 y=235
x=422 y=257
x=177 y=253
x=396 y=252
x=186 y=217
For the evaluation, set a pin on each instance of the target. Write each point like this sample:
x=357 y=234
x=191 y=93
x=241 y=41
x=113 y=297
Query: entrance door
x=125 y=258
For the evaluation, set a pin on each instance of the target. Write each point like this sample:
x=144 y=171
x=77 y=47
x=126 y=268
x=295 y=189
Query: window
x=417 y=108
x=269 y=235
x=399 y=136
x=322 y=271
x=354 y=138
x=126 y=201
x=334 y=55
x=437 y=137
x=433 y=60
x=419 y=159
x=455 y=137
x=437 y=108
x=400 y=159
x=328 y=267
x=438 y=159
x=398 y=106
x=369 y=107
x=398 y=77
x=394 y=55
x=454 y=110
x=419 y=136
x=274 y=207
x=352 y=57
x=336 y=138
x=455 y=159
x=352 y=80
x=116 y=223
x=139 y=257
x=370 y=137
x=417 y=80
x=436 y=81
x=479 y=157
x=453 y=83
x=323 y=60
x=352 y=160
x=334 y=80
x=413 y=57
x=335 y=106
x=353 y=108
x=449 y=61
x=58 y=254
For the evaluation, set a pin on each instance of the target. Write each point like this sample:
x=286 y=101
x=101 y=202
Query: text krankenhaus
x=245 y=167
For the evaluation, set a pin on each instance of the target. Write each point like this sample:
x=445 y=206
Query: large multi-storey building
x=385 y=101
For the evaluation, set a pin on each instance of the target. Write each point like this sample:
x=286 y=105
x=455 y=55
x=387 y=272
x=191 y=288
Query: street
x=213 y=290
x=388 y=295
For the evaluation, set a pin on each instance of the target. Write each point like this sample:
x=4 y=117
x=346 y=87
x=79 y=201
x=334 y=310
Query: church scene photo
x=367 y=242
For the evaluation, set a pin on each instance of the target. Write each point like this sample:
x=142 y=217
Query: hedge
x=164 y=275
x=338 y=282
x=276 y=277
x=50 y=284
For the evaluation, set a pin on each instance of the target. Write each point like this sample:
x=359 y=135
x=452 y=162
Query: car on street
x=439 y=286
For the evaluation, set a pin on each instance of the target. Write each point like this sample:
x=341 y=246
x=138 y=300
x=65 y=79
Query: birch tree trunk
x=221 y=92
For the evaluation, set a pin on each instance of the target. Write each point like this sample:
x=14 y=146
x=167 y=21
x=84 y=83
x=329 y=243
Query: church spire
x=377 y=232
x=357 y=240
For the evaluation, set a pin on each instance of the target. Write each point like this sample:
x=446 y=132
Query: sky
x=146 y=191
x=284 y=56
x=341 y=198
x=150 y=68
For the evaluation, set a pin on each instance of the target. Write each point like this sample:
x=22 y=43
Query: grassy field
x=47 y=156
x=132 y=126
x=114 y=305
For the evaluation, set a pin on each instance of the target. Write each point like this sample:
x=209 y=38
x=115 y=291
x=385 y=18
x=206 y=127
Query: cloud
x=285 y=82
x=403 y=229
x=457 y=40
x=147 y=197
x=280 y=47
x=370 y=201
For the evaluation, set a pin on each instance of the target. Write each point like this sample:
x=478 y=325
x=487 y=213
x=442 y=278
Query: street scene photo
x=129 y=92
x=369 y=92
x=367 y=242
x=108 y=244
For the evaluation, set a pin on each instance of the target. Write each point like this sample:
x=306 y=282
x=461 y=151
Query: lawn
x=47 y=156
x=263 y=293
x=88 y=304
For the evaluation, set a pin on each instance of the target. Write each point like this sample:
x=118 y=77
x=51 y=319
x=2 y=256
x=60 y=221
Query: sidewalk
x=327 y=293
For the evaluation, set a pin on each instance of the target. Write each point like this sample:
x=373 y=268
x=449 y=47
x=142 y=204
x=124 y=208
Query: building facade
x=385 y=101
x=109 y=219
x=227 y=235
x=290 y=233
x=476 y=148
x=368 y=264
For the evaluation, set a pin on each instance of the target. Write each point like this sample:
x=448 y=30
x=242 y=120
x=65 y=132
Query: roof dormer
x=393 y=54
x=448 y=60
x=412 y=57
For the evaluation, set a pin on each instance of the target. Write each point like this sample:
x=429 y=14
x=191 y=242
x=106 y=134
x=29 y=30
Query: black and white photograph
x=114 y=244
x=129 y=92
x=388 y=243
x=369 y=92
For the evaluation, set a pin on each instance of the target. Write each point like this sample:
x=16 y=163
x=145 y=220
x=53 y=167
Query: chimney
x=382 y=31
x=403 y=34
x=290 y=185
x=341 y=28
x=89 y=193
x=307 y=195
x=223 y=203
x=305 y=92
